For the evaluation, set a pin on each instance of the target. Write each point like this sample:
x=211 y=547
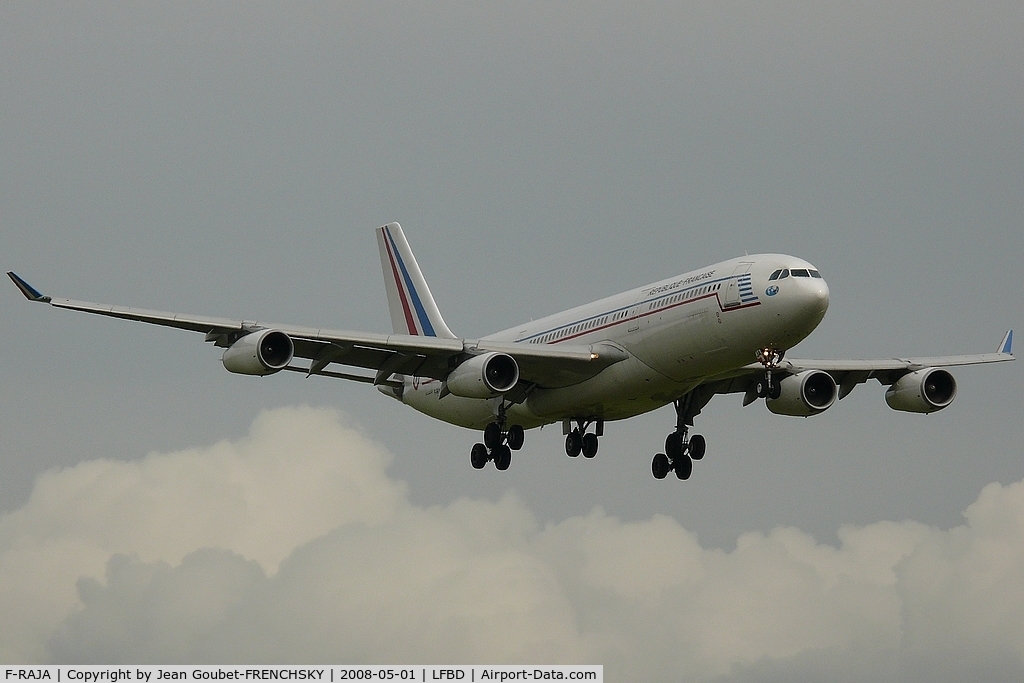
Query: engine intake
x=922 y=391
x=484 y=376
x=259 y=353
x=809 y=393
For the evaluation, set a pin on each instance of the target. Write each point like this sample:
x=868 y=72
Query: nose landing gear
x=770 y=358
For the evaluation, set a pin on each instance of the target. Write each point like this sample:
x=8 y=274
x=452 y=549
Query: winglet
x=1006 y=346
x=30 y=292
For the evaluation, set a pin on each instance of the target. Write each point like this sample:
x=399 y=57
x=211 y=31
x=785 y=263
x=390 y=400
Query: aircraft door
x=732 y=290
x=635 y=322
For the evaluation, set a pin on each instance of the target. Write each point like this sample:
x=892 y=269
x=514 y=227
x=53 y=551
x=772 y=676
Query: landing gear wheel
x=674 y=445
x=589 y=445
x=697 y=447
x=683 y=467
x=502 y=457
x=492 y=435
x=775 y=391
x=660 y=466
x=573 y=443
x=761 y=388
x=478 y=456
x=516 y=436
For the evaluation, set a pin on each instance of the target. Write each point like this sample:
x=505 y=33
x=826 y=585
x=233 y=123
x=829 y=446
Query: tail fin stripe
x=421 y=313
x=398 y=281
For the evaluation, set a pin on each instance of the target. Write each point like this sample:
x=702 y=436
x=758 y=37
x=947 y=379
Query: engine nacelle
x=922 y=391
x=484 y=376
x=808 y=393
x=259 y=353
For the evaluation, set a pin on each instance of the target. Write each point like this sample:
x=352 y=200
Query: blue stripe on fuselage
x=746 y=300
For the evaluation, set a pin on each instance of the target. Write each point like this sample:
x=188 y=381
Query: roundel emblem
x=772 y=291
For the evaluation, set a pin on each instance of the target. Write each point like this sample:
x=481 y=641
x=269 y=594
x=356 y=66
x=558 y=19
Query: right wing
x=382 y=354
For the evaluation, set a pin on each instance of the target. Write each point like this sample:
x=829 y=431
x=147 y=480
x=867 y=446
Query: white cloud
x=298 y=474
x=292 y=544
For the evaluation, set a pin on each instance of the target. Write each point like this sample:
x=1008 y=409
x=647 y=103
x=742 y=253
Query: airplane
x=721 y=329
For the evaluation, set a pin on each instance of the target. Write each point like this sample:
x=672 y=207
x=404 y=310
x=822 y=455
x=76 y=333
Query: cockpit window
x=815 y=273
x=775 y=275
x=800 y=272
x=784 y=274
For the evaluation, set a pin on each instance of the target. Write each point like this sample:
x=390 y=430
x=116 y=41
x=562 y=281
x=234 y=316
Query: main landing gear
x=577 y=440
x=498 y=444
x=681 y=450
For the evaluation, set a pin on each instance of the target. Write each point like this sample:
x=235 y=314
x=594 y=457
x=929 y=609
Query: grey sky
x=232 y=159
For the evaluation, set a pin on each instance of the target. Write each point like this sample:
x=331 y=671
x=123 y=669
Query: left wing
x=383 y=354
x=849 y=373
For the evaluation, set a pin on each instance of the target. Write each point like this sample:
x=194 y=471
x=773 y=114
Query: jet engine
x=923 y=391
x=484 y=376
x=259 y=353
x=808 y=393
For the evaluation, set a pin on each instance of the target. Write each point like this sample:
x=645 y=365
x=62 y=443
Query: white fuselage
x=675 y=333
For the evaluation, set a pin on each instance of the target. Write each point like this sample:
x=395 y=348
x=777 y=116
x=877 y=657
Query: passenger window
x=800 y=272
x=775 y=275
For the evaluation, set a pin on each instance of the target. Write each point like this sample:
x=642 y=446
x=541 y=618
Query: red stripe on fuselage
x=641 y=315
x=409 y=320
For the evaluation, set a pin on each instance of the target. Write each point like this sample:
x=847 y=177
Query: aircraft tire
x=478 y=456
x=660 y=466
x=761 y=388
x=775 y=391
x=674 y=445
x=683 y=467
x=589 y=446
x=573 y=443
x=502 y=457
x=492 y=435
x=516 y=437
x=698 y=446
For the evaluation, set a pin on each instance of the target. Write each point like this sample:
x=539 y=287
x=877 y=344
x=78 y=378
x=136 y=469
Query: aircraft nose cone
x=815 y=299
x=821 y=296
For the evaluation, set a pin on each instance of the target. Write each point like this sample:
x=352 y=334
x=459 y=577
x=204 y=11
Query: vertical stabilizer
x=413 y=310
